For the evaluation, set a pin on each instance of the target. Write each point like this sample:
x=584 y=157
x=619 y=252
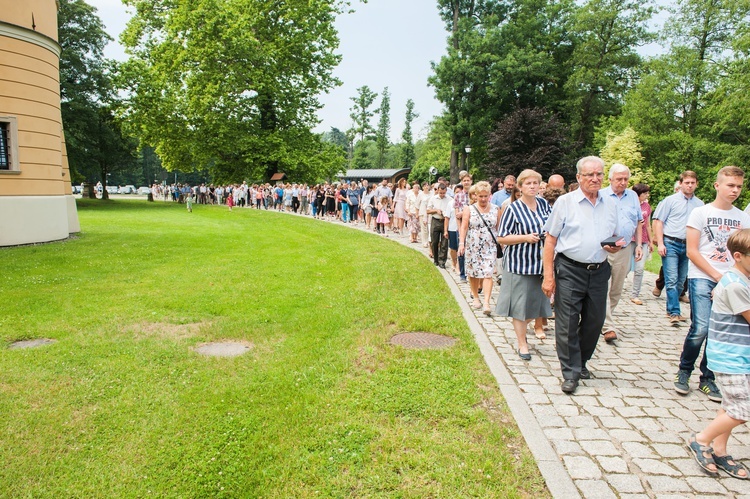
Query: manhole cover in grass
x=223 y=349
x=30 y=343
x=422 y=340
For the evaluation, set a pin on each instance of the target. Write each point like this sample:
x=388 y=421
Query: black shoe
x=708 y=387
x=524 y=356
x=479 y=291
x=585 y=373
x=569 y=386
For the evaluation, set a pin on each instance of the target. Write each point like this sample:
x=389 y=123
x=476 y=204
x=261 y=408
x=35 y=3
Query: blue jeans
x=345 y=212
x=675 y=265
x=700 y=311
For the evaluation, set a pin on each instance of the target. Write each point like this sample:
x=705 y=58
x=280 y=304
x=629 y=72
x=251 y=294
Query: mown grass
x=321 y=406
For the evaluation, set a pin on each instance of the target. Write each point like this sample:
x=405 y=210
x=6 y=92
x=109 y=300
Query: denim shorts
x=453 y=240
x=735 y=395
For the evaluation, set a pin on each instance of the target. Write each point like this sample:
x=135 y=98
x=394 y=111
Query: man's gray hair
x=587 y=159
x=618 y=168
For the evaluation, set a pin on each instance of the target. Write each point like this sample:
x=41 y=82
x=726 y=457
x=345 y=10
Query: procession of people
x=561 y=254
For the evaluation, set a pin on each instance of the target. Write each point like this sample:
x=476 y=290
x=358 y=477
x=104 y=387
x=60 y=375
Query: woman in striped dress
x=521 y=230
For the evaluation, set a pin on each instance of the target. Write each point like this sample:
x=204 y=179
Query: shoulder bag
x=497 y=245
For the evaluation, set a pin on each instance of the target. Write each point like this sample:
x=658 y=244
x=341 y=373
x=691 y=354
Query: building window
x=9 y=144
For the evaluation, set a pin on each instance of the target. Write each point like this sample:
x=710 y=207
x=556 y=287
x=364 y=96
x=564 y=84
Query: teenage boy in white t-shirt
x=708 y=229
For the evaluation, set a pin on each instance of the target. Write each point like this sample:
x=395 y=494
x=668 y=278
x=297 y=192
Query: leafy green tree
x=677 y=104
x=534 y=47
x=501 y=55
x=382 y=135
x=407 y=153
x=435 y=151
x=232 y=85
x=336 y=137
x=361 y=112
x=604 y=60
x=625 y=148
x=96 y=143
x=462 y=78
x=365 y=154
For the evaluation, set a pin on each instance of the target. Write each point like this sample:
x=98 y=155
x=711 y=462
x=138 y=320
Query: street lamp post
x=468 y=151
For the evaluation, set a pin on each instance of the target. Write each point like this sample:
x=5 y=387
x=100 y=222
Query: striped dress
x=521 y=295
x=517 y=219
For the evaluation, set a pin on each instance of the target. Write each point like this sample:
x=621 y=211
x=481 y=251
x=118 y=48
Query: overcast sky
x=385 y=43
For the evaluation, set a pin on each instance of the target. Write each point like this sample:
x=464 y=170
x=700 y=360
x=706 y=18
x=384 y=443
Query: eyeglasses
x=592 y=175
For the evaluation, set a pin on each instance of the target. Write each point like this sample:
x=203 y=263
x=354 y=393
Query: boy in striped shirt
x=728 y=352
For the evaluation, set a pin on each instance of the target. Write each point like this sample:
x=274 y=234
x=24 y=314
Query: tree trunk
x=455 y=147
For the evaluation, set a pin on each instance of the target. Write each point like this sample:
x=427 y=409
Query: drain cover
x=223 y=349
x=30 y=343
x=420 y=340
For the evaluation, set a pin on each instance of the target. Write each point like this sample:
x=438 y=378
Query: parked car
x=113 y=189
x=128 y=189
x=144 y=191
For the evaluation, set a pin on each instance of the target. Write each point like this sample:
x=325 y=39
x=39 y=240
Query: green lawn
x=322 y=406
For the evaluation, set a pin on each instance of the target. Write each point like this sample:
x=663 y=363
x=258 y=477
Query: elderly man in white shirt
x=630 y=224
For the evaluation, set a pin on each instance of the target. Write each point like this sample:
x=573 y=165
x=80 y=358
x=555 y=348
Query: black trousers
x=439 y=243
x=580 y=309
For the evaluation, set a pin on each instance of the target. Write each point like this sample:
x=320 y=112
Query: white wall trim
x=33 y=219
x=73 y=224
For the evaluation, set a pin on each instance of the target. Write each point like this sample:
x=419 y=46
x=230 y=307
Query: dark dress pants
x=439 y=243
x=580 y=309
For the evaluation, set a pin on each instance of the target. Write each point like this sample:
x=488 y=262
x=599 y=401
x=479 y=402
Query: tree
x=435 y=151
x=95 y=141
x=462 y=77
x=625 y=148
x=382 y=136
x=529 y=138
x=232 y=85
x=604 y=60
x=501 y=55
x=361 y=113
x=407 y=153
x=678 y=104
x=336 y=137
x=114 y=151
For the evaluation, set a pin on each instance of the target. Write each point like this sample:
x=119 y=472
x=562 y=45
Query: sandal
x=730 y=466
x=703 y=456
x=540 y=334
x=477 y=304
x=487 y=310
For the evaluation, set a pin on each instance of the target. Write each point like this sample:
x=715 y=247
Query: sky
x=384 y=43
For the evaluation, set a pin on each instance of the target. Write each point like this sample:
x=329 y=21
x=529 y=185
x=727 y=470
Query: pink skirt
x=383 y=217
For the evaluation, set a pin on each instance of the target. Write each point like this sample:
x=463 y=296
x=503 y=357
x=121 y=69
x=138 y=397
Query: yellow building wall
x=39 y=194
x=30 y=91
x=19 y=12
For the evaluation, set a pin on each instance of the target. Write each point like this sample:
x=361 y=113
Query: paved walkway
x=623 y=433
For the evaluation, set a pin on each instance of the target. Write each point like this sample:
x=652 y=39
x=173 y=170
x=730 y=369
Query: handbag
x=497 y=245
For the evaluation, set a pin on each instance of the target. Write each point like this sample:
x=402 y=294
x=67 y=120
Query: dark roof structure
x=393 y=175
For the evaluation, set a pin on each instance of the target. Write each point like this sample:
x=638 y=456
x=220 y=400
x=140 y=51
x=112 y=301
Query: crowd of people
x=563 y=251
